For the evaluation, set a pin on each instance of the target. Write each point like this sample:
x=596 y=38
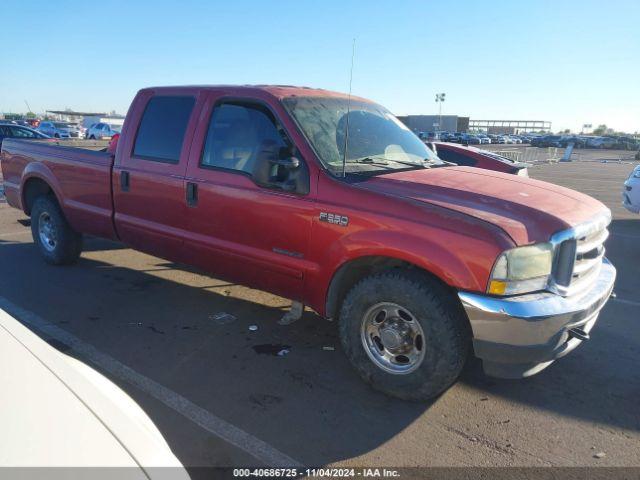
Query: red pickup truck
x=332 y=202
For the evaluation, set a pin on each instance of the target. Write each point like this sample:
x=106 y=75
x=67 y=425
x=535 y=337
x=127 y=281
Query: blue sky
x=570 y=62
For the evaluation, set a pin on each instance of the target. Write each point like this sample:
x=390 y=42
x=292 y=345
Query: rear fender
x=42 y=172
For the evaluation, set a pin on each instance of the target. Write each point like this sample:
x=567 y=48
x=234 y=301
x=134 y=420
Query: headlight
x=522 y=270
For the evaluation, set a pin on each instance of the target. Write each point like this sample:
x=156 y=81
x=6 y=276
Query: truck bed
x=78 y=172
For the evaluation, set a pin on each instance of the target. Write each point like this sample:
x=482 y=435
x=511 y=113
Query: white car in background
x=59 y=129
x=631 y=192
x=100 y=131
x=55 y=411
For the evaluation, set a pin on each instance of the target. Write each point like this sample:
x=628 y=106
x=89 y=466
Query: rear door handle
x=192 y=194
x=124 y=181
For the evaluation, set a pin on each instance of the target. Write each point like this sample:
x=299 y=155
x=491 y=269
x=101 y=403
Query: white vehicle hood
x=56 y=411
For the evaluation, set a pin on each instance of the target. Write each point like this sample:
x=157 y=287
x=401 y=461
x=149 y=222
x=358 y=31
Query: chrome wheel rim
x=47 y=232
x=393 y=338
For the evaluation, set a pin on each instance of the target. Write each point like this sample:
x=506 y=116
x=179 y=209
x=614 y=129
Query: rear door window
x=22 y=132
x=162 y=128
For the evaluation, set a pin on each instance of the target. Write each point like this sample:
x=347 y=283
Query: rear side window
x=22 y=133
x=456 y=157
x=162 y=128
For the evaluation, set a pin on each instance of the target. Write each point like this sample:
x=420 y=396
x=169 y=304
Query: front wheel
x=58 y=243
x=405 y=334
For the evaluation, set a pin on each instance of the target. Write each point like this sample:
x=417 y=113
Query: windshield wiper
x=380 y=160
x=369 y=160
x=442 y=163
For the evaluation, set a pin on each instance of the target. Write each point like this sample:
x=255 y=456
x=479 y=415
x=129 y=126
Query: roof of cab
x=277 y=91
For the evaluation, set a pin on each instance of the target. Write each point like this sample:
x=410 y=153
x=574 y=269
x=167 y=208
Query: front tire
x=58 y=243
x=405 y=334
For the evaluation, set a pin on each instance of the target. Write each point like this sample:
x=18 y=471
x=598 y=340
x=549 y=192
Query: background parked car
x=20 y=132
x=631 y=191
x=601 y=142
x=627 y=143
x=549 y=141
x=578 y=142
x=475 y=157
x=100 y=131
x=469 y=139
x=59 y=129
x=58 y=412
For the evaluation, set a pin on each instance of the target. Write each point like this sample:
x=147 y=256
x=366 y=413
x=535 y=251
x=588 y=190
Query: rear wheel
x=58 y=243
x=405 y=334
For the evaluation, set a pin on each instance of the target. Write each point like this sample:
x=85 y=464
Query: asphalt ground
x=160 y=320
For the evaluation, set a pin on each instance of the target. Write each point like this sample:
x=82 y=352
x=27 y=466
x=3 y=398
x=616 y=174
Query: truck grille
x=578 y=256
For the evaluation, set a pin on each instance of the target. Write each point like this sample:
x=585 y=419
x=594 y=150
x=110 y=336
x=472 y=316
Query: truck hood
x=528 y=210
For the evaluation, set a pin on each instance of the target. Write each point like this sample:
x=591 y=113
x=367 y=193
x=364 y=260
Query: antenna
x=346 y=133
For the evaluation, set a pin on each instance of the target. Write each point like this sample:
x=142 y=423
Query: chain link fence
x=535 y=155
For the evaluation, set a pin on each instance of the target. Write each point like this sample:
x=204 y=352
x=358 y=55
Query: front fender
x=426 y=254
x=461 y=262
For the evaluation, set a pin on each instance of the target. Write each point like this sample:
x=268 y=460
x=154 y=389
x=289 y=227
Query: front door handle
x=192 y=194
x=124 y=181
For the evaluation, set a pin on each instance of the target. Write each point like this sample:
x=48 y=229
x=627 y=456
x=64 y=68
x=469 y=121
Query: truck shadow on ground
x=164 y=330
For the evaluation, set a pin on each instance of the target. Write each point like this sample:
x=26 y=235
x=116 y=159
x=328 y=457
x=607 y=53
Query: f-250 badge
x=334 y=218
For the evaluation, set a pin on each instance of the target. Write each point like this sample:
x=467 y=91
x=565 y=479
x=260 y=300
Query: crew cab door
x=148 y=176
x=247 y=226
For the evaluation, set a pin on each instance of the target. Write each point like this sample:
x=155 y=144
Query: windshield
x=115 y=128
x=377 y=141
x=61 y=125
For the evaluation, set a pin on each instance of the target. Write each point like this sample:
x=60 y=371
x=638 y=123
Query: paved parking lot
x=202 y=379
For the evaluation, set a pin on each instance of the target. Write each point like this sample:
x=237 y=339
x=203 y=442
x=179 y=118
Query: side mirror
x=286 y=160
x=277 y=168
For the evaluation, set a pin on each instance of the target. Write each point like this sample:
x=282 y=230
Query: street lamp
x=439 y=100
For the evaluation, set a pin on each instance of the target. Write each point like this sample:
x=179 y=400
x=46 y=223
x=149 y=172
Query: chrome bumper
x=519 y=336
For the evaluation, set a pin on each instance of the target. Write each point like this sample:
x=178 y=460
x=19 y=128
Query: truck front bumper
x=519 y=336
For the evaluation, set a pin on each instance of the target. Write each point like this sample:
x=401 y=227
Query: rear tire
x=58 y=243
x=435 y=348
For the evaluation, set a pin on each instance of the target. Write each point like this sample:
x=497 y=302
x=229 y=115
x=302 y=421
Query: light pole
x=439 y=100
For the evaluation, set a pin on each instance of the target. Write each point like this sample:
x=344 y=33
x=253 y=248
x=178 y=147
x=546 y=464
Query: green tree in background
x=600 y=130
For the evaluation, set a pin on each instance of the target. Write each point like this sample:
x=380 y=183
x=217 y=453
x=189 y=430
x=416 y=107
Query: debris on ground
x=484 y=399
x=222 y=318
x=600 y=455
x=328 y=349
x=271 y=349
x=294 y=314
x=135 y=324
x=253 y=328
x=155 y=330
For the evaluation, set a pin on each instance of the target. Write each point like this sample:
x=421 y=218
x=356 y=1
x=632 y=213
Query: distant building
x=431 y=123
x=510 y=126
x=86 y=119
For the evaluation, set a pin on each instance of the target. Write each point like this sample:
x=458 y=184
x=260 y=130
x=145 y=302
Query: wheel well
x=353 y=271
x=34 y=188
